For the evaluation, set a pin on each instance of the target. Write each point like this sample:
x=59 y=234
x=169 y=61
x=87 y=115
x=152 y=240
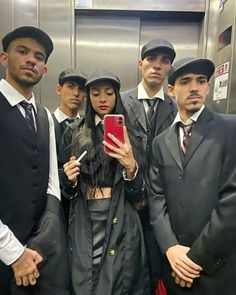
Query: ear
x=140 y=64
x=45 y=70
x=170 y=89
x=58 y=89
x=3 y=58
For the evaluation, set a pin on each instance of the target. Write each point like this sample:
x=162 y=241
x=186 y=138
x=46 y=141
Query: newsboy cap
x=72 y=75
x=191 y=65
x=29 y=32
x=103 y=75
x=158 y=45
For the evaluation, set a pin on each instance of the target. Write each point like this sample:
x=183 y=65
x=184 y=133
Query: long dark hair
x=87 y=137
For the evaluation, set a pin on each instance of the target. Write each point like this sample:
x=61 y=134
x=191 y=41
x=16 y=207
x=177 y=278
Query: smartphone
x=113 y=124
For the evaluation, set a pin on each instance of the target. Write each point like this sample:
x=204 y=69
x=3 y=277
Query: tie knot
x=186 y=128
x=69 y=120
x=151 y=101
x=26 y=105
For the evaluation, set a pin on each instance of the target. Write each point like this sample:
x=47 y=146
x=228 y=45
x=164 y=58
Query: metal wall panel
x=58 y=22
x=5 y=24
x=173 y=5
x=225 y=19
x=108 y=42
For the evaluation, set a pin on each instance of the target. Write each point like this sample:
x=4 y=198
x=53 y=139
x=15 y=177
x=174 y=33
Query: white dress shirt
x=10 y=248
x=142 y=94
x=193 y=118
x=60 y=116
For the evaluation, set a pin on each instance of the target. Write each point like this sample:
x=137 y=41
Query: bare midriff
x=99 y=193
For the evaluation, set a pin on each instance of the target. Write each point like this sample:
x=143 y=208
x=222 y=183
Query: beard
x=27 y=82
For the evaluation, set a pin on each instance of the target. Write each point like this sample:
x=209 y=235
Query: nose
x=157 y=64
x=76 y=91
x=194 y=86
x=30 y=58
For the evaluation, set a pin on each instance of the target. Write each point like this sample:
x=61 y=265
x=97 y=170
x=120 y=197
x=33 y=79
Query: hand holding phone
x=113 y=124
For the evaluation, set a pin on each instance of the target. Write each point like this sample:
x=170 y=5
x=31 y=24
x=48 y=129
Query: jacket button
x=112 y=252
x=115 y=220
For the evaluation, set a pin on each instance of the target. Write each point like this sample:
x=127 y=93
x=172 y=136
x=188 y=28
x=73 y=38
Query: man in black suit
x=193 y=188
x=71 y=89
x=151 y=111
x=31 y=231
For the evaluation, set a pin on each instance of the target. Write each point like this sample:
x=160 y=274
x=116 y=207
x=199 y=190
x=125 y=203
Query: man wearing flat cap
x=193 y=188
x=151 y=111
x=31 y=232
x=71 y=89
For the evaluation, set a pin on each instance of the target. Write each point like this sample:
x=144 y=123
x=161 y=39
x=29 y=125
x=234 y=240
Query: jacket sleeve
x=135 y=189
x=159 y=217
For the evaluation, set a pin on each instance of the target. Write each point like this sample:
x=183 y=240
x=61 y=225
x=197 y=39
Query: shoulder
x=131 y=93
x=171 y=102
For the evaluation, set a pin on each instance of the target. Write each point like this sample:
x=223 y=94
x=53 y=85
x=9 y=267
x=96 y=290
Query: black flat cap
x=72 y=75
x=29 y=32
x=103 y=75
x=191 y=65
x=158 y=45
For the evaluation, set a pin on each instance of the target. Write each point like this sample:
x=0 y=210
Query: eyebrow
x=189 y=78
x=28 y=48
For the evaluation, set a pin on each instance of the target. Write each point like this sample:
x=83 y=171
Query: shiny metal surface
x=107 y=42
x=113 y=40
x=173 y=5
x=57 y=22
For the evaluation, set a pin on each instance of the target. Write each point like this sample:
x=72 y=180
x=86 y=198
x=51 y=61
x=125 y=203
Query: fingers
x=71 y=169
x=38 y=258
x=180 y=281
x=32 y=279
x=24 y=268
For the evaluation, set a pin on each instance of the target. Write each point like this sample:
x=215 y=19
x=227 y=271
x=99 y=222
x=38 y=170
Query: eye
x=39 y=57
x=166 y=61
x=203 y=81
x=21 y=50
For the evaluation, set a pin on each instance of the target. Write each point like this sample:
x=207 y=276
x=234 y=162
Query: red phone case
x=113 y=124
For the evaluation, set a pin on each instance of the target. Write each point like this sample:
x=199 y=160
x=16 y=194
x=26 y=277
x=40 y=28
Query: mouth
x=103 y=108
x=29 y=69
x=155 y=75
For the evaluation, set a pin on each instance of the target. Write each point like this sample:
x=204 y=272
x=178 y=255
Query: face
x=25 y=62
x=190 y=91
x=72 y=96
x=154 y=69
x=102 y=97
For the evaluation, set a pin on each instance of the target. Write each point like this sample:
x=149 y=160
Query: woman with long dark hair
x=105 y=235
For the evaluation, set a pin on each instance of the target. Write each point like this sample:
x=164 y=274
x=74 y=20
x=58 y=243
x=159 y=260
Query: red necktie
x=187 y=131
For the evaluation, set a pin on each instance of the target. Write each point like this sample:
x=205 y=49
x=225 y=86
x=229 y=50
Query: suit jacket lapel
x=200 y=130
x=172 y=142
x=164 y=109
x=137 y=109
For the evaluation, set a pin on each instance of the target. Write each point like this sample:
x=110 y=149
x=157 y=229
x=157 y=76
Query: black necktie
x=187 y=131
x=28 y=107
x=151 y=103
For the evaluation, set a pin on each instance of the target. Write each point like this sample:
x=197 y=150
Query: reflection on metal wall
x=224 y=88
x=108 y=42
x=115 y=42
x=58 y=22
x=173 y=5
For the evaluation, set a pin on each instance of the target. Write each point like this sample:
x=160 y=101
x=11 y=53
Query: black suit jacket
x=135 y=109
x=193 y=202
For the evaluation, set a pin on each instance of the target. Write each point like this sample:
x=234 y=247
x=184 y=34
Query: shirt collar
x=60 y=116
x=13 y=96
x=194 y=117
x=97 y=120
x=142 y=94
